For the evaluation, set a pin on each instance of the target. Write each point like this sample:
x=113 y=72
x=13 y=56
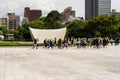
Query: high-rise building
x=3 y=22
x=13 y=22
x=17 y=21
x=32 y=15
x=67 y=13
x=95 y=8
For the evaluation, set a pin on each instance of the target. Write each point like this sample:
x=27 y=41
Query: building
x=32 y=15
x=114 y=12
x=3 y=22
x=95 y=8
x=25 y=20
x=67 y=13
x=13 y=22
x=17 y=21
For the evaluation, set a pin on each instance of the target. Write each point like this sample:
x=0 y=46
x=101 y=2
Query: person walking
x=35 y=45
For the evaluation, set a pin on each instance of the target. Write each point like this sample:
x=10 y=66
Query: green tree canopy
x=74 y=28
x=3 y=29
x=53 y=21
x=104 y=25
x=24 y=30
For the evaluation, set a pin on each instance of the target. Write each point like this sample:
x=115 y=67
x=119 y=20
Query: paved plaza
x=25 y=63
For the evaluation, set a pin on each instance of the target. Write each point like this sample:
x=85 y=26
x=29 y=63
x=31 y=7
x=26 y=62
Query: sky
x=17 y=6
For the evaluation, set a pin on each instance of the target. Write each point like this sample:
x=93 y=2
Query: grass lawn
x=14 y=43
x=17 y=43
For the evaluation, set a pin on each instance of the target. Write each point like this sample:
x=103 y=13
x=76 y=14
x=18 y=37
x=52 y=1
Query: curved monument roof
x=42 y=34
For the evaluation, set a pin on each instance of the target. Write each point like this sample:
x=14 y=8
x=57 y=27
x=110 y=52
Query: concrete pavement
x=25 y=63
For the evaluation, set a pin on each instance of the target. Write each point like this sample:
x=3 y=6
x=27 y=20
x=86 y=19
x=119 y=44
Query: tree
x=74 y=28
x=52 y=20
x=104 y=25
x=4 y=30
x=24 y=32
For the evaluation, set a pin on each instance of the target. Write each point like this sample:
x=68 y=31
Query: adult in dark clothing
x=65 y=42
x=35 y=45
x=51 y=43
x=97 y=43
x=105 y=42
x=117 y=41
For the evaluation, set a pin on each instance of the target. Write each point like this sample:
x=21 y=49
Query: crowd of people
x=96 y=42
x=80 y=42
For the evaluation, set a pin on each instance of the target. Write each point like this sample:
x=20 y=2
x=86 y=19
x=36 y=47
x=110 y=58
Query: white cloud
x=17 y=6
